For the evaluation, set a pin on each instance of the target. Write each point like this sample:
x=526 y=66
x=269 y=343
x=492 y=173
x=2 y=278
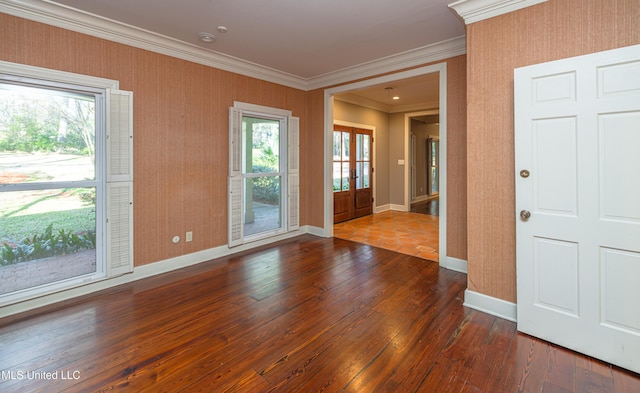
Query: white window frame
x=289 y=171
x=114 y=169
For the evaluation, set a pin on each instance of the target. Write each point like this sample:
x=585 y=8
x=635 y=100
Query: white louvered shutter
x=293 y=173
x=235 y=177
x=119 y=183
x=235 y=211
x=235 y=142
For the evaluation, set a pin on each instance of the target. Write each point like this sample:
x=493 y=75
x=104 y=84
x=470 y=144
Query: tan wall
x=396 y=152
x=181 y=141
x=548 y=31
x=181 y=129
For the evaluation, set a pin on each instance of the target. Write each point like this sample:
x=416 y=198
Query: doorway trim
x=408 y=153
x=441 y=69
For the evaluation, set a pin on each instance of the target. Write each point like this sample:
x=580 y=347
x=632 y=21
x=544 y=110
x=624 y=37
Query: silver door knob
x=525 y=215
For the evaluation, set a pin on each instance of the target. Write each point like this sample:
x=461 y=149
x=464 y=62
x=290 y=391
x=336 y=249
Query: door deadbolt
x=525 y=215
x=524 y=173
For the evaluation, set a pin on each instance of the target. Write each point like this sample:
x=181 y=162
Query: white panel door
x=577 y=146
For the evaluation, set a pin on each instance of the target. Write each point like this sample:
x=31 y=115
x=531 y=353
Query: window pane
x=359 y=175
x=434 y=179
x=262 y=145
x=337 y=176
x=337 y=151
x=365 y=147
x=366 y=175
x=46 y=135
x=345 y=176
x=262 y=210
x=46 y=236
x=345 y=146
x=359 y=147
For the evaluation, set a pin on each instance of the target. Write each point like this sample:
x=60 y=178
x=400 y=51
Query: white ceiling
x=305 y=38
x=305 y=44
x=416 y=93
x=313 y=43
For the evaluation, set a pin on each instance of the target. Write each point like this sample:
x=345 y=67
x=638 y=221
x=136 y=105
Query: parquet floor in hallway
x=404 y=232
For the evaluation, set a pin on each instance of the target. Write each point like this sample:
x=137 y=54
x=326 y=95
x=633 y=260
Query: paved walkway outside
x=30 y=274
x=266 y=218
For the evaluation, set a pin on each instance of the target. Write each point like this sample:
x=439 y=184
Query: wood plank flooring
x=306 y=315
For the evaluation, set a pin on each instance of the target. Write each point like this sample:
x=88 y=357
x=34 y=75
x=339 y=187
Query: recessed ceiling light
x=389 y=90
x=222 y=29
x=206 y=37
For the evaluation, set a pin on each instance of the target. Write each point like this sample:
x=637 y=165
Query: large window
x=57 y=194
x=263 y=173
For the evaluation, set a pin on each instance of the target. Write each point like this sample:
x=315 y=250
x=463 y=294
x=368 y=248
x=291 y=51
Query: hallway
x=404 y=232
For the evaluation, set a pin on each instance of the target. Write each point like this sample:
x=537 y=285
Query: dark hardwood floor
x=306 y=315
x=430 y=207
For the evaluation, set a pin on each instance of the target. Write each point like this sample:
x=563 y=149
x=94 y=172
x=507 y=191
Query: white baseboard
x=456 y=264
x=146 y=271
x=490 y=305
x=317 y=231
x=399 y=208
x=380 y=209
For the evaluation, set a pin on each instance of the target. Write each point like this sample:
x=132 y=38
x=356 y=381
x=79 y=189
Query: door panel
x=577 y=129
x=352 y=173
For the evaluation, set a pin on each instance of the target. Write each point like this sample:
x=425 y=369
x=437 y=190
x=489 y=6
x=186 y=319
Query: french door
x=352 y=173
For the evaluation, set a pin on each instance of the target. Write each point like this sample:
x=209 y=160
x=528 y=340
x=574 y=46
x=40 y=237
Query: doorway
x=352 y=170
x=424 y=150
x=440 y=69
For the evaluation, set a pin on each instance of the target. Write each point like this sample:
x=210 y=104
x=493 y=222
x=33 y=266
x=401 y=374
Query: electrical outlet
x=189 y=236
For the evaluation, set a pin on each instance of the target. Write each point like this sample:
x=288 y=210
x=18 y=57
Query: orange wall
x=180 y=134
x=548 y=31
x=457 y=157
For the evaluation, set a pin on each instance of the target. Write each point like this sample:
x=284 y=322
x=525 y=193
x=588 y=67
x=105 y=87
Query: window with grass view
x=51 y=184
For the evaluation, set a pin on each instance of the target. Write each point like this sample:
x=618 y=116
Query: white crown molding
x=404 y=60
x=82 y=22
x=476 y=10
x=69 y=18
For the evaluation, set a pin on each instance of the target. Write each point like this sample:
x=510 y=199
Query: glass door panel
x=341 y=161
x=262 y=172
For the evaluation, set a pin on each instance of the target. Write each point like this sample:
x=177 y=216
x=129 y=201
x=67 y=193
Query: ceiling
x=304 y=39
x=416 y=93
